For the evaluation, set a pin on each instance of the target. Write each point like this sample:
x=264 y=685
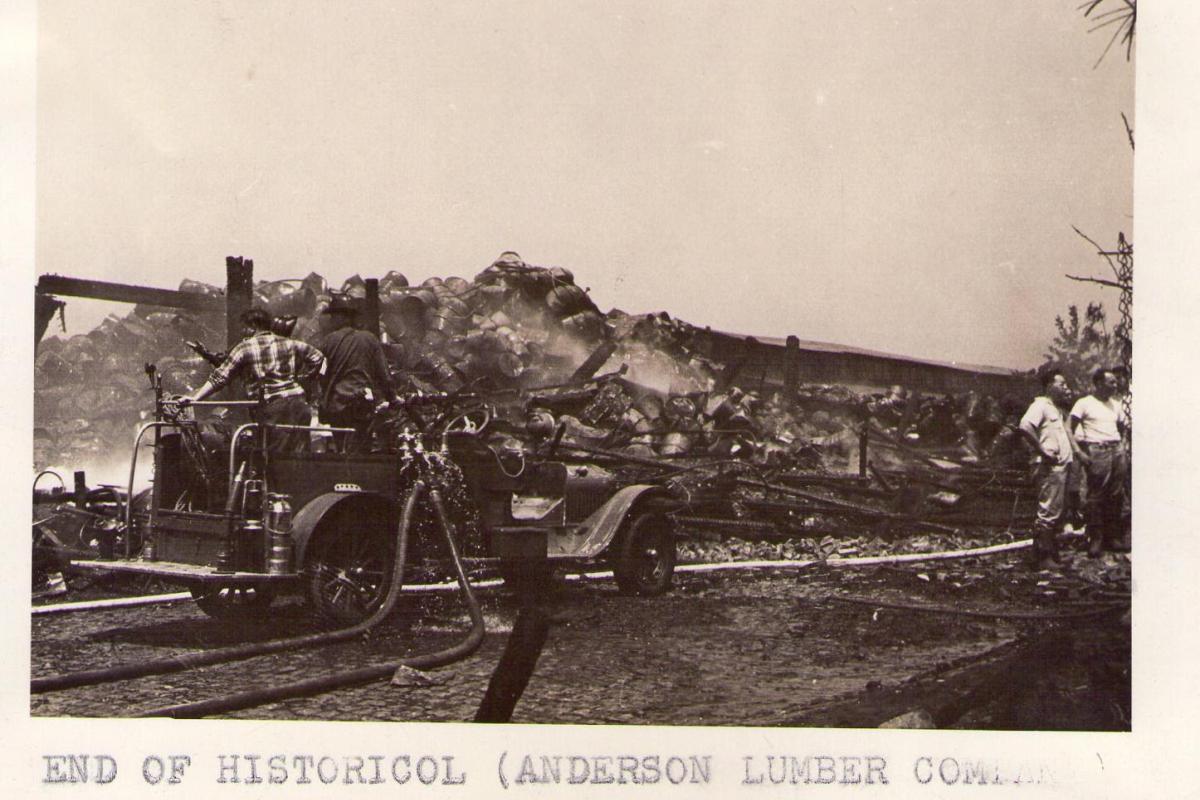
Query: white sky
x=896 y=175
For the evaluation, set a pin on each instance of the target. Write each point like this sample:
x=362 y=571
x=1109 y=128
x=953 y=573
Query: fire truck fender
x=309 y=518
x=604 y=523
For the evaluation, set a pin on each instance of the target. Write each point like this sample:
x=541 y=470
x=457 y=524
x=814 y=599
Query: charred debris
x=644 y=396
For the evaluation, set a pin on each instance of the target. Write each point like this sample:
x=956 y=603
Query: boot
x=1045 y=549
x=1048 y=563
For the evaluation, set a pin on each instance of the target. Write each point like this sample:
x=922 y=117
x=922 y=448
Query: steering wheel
x=474 y=421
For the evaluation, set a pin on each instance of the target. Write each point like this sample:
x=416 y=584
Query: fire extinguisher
x=279 y=534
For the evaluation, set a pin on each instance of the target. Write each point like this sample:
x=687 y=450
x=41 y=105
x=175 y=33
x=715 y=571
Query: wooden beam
x=126 y=293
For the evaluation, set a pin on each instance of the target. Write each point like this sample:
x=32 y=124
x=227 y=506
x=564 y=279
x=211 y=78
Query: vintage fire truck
x=239 y=520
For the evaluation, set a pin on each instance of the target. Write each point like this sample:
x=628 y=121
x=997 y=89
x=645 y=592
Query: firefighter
x=357 y=379
x=274 y=368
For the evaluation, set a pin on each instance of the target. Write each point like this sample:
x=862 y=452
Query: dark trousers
x=1106 y=503
x=359 y=420
x=286 y=411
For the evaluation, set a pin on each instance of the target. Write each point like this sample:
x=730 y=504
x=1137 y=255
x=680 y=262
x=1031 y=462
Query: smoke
x=659 y=371
x=106 y=470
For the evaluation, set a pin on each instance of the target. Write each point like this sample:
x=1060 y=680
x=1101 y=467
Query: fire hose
x=222 y=655
x=1097 y=609
x=325 y=683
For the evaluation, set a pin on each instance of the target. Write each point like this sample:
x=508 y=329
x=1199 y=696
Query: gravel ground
x=727 y=648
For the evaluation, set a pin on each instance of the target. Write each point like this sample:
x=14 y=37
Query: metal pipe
x=38 y=477
x=225 y=559
x=313 y=428
x=224 y=403
x=187 y=661
x=137 y=442
x=237 y=436
x=456 y=652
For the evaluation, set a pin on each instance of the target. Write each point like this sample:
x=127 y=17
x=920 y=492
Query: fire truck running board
x=183 y=572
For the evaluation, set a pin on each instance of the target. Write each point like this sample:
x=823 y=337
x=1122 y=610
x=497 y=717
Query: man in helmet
x=357 y=378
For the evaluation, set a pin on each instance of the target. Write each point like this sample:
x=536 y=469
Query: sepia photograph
x=620 y=365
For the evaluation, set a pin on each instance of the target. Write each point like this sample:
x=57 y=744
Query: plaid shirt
x=276 y=365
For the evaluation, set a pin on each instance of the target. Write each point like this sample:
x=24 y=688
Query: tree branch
x=1101 y=251
x=1100 y=281
x=1128 y=130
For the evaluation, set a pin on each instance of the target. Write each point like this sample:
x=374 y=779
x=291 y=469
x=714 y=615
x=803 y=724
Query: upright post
x=370 y=317
x=864 y=436
x=81 y=489
x=516 y=666
x=791 y=368
x=239 y=291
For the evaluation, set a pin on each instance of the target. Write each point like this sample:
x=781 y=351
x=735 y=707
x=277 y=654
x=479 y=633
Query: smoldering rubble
x=642 y=385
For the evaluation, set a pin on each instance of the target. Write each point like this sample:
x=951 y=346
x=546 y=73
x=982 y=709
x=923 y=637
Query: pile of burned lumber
x=641 y=385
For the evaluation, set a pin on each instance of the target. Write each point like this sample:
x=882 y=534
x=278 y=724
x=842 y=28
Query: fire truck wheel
x=232 y=601
x=349 y=570
x=644 y=555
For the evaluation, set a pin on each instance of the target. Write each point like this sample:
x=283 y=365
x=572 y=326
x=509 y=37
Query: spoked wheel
x=233 y=601
x=349 y=571
x=644 y=561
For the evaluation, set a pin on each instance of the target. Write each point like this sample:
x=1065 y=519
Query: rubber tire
x=233 y=601
x=368 y=550
x=636 y=571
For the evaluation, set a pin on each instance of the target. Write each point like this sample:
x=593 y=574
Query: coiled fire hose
x=186 y=661
x=325 y=683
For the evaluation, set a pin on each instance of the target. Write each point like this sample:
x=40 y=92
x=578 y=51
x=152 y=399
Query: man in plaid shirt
x=274 y=366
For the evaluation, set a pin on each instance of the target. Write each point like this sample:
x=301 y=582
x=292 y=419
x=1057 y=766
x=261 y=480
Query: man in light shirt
x=1097 y=422
x=1043 y=425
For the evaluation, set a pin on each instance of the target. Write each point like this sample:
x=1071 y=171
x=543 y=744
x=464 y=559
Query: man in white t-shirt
x=1097 y=422
x=1043 y=425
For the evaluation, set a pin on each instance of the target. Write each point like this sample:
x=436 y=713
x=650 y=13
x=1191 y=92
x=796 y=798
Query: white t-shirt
x=1045 y=418
x=1097 y=419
